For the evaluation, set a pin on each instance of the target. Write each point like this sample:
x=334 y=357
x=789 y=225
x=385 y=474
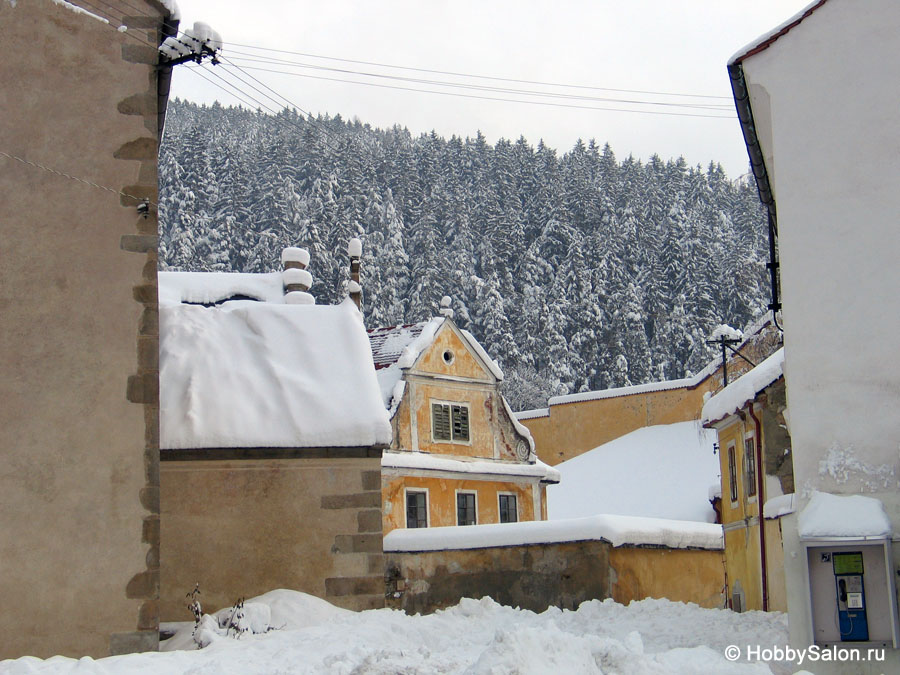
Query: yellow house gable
x=450 y=355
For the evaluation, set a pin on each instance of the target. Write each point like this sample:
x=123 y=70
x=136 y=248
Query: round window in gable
x=448 y=357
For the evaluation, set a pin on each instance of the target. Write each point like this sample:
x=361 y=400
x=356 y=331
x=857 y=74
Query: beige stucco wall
x=75 y=570
x=682 y=575
x=538 y=576
x=244 y=527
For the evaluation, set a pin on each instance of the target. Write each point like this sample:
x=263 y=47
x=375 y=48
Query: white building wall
x=826 y=101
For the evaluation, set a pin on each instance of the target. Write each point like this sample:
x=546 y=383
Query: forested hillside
x=577 y=272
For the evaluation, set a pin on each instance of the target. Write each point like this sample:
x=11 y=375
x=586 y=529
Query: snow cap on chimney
x=294 y=257
x=354 y=248
x=445 y=307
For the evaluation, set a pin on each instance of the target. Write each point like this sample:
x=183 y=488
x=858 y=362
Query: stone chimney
x=446 y=310
x=296 y=278
x=354 y=249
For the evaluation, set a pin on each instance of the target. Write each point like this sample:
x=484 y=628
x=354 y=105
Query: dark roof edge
x=764 y=44
x=751 y=140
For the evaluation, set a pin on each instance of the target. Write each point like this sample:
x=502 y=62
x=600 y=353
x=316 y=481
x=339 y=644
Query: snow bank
x=618 y=530
x=737 y=394
x=828 y=515
x=476 y=636
x=257 y=374
x=429 y=462
x=208 y=288
x=661 y=471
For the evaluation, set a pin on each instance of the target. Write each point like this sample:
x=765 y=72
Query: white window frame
x=499 y=510
x=461 y=404
x=406 y=492
x=456 y=504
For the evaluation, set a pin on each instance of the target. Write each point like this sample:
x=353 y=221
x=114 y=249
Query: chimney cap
x=293 y=253
x=354 y=248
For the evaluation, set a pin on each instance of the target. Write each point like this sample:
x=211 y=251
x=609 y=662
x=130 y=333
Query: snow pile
x=737 y=394
x=426 y=461
x=276 y=610
x=255 y=374
x=197 y=41
x=78 y=10
x=828 y=515
x=618 y=530
x=210 y=288
x=662 y=471
x=532 y=414
x=476 y=636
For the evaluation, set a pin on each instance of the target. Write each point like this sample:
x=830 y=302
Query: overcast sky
x=670 y=46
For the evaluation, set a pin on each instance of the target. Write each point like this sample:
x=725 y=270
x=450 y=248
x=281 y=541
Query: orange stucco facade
x=450 y=372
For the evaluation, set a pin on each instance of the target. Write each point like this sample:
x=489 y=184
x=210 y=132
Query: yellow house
x=458 y=456
x=751 y=418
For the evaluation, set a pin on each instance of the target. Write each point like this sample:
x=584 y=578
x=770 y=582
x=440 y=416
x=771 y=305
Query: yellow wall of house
x=677 y=574
x=463 y=364
x=574 y=428
x=742 y=558
x=442 y=499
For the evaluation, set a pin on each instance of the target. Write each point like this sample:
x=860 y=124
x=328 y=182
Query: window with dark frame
x=508 y=511
x=732 y=473
x=465 y=508
x=750 y=458
x=416 y=509
x=449 y=422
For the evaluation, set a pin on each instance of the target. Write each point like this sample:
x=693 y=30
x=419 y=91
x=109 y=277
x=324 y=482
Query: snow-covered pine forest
x=577 y=271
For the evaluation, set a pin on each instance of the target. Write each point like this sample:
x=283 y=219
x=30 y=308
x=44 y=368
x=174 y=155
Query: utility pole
x=726 y=343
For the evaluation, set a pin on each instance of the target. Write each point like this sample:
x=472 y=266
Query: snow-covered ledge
x=618 y=530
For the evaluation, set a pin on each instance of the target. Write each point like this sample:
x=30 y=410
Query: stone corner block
x=133 y=642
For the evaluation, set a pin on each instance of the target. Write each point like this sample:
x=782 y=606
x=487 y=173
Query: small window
x=750 y=459
x=465 y=508
x=732 y=473
x=416 y=509
x=448 y=357
x=450 y=422
x=508 y=511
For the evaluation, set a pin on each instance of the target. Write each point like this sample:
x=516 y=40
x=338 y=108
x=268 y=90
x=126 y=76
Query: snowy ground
x=476 y=636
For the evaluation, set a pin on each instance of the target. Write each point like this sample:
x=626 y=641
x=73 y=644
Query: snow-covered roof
x=828 y=515
x=767 y=38
x=429 y=462
x=737 y=394
x=661 y=471
x=779 y=506
x=211 y=288
x=618 y=530
x=262 y=374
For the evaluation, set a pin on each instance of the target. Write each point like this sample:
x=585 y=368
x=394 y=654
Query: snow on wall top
x=618 y=530
x=748 y=333
x=779 y=506
x=828 y=515
x=736 y=395
x=264 y=374
x=210 y=288
x=425 y=461
x=531 y=414
x=769 y=37
x=661 y=471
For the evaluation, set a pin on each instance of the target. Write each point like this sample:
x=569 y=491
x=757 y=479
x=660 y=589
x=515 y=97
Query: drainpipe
x=759 y=504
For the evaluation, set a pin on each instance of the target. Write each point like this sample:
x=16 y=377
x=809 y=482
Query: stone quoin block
x=371 y=480
x=354 y=586
x=138 y=243
x=369 y=521
x=357 y=543
x=361 y=500
x=140 y=148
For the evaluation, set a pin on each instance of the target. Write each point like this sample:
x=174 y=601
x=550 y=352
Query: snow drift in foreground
x=476 y=636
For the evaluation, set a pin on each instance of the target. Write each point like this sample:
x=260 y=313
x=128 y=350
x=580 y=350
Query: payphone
x=851 y=596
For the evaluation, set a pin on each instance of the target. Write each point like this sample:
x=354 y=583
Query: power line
x=490 y=98
x=482 y=77
x=506 y=90
x=75 y=178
